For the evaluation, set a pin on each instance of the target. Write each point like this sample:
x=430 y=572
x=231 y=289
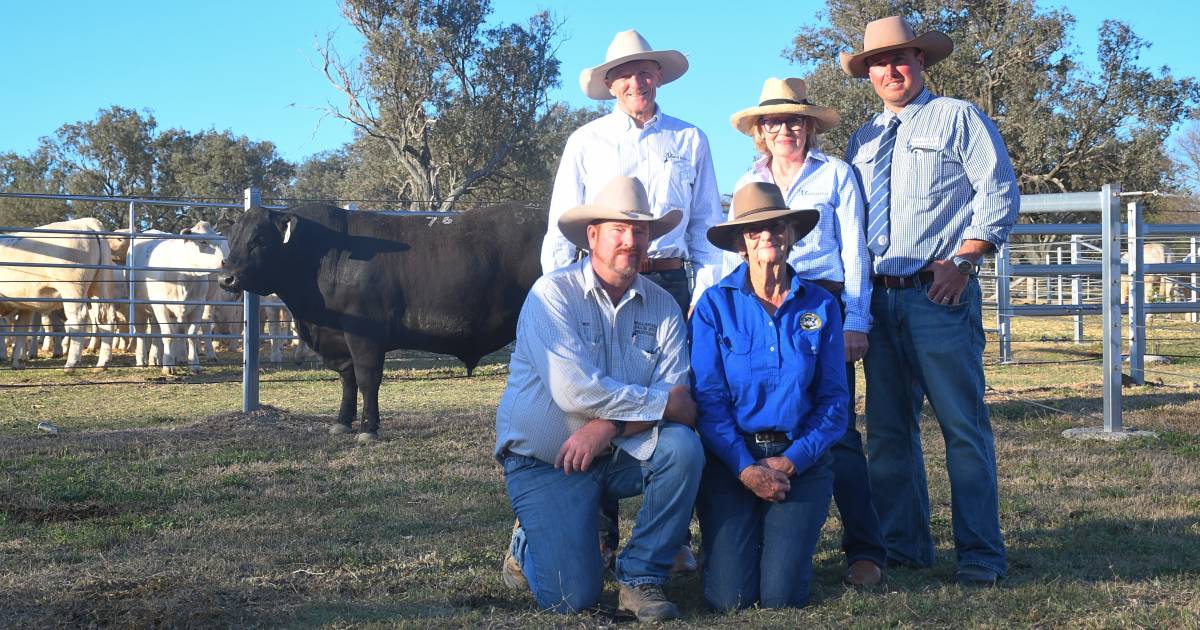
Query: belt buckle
x=762 y=437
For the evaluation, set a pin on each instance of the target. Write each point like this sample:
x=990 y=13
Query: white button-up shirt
x=836 y=249
x=673 y=162
x=579 y=356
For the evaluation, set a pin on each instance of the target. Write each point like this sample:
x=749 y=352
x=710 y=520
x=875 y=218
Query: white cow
x=73 y=285
x=193 y=271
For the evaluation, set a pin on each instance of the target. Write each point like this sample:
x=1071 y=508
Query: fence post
x=1058 y=288
x=1110 y=227
x=1076 y=289
x=1194 y=316
x=1004 y=304
x=1137 y=293
x=130 y=269
x=250 y=333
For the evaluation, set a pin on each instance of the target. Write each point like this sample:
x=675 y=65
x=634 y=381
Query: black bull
x=360 y=284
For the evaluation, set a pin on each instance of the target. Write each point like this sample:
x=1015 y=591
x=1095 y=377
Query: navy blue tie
x=879 y=225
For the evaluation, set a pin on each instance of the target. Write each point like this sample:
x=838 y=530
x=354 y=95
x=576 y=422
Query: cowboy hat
x=784 y=96
x=621 y=199
x=625 y=47
x=890 y=33
x=758 y=202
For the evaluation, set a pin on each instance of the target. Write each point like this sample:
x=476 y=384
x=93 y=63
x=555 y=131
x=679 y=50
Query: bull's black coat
x=360 y=284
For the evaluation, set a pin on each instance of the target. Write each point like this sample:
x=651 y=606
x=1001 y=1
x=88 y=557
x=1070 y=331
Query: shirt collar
x=625 y=122
x=739 y=280
x=909 y=112
x=762 y=167
x=591 y=284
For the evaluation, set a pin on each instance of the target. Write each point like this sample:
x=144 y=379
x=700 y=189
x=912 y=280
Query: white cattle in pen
x=19 y=285
x=175 y=270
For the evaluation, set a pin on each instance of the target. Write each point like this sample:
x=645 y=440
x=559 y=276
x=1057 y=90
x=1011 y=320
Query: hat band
x=783 y=101
x=747 y=215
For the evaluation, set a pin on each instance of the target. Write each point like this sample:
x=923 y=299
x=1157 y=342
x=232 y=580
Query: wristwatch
x=620 y=427
x=965 y=266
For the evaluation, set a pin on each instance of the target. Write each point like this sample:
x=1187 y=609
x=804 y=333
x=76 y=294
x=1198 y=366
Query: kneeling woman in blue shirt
x=770 y=384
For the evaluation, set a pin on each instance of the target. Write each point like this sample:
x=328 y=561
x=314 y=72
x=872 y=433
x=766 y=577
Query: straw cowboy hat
x=784 y=96
x=891 y=33
x=622 y=199
x=625 y=47
x=754 y=203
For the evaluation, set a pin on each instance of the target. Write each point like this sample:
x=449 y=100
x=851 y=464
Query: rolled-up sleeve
x=576 y=384
x=997 y=198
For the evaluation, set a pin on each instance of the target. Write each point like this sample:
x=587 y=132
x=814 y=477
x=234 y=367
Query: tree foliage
x=122 y=153
x=455 y=108
x=1067 y=128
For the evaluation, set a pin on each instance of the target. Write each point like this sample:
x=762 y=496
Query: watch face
x=965 y=266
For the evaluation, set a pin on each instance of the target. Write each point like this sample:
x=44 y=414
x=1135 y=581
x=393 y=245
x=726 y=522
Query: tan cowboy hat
x=784 y=96
x=757 y=202
x=890 y=33
x=625 y=47
x=622 y=199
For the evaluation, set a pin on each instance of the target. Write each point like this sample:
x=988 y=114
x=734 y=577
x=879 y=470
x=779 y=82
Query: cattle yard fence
x=1064 y=282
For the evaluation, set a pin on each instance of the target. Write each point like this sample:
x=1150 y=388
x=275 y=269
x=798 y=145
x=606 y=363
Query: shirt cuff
x=856 y=323
x=993 y=235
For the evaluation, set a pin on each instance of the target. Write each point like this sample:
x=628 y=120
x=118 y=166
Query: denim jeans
x=556 y=545
x=862 y=538
x=755 y=551
x=919 y=349
x=675 y=282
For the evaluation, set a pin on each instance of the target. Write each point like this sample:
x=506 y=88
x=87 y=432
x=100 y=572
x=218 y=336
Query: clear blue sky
x=252 y=67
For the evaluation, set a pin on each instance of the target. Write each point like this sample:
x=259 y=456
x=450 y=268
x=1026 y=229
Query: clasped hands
x=589 y=440
x=769 y=478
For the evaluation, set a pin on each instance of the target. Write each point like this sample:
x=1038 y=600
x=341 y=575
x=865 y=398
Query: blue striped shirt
x=579 y=356
x=951 y=181
x=836 y=249
x=757 y=372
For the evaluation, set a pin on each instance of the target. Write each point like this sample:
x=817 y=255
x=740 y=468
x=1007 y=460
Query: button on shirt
x=578 y=356
x=836 y=249
x=757 y=372
x=672 y=160
x=951 y=181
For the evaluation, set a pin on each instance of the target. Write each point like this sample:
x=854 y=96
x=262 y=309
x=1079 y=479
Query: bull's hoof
x=69 y=370
x=339 y=429
x=366 y=438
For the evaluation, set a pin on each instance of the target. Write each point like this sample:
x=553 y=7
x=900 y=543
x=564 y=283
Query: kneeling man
x=597 y=406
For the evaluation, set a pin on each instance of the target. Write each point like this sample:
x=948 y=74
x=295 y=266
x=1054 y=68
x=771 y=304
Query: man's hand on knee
x=584 y=445
x=680 y=406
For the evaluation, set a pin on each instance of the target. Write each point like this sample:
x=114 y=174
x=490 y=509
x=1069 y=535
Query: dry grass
x=157 y=507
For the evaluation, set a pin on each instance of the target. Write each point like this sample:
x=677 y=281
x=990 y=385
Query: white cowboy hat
x=784 y=96
x=625 y=47
x=621 y=199
x=758 y=202
x=890 y=33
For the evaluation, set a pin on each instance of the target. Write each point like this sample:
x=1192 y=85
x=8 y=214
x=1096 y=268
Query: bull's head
x=257 y=248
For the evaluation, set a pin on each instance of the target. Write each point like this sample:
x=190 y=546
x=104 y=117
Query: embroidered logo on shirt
x=649 y=329
x=810 y=321
x=671 y=156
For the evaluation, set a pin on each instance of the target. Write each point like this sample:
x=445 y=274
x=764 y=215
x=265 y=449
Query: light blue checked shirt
x=578 y=356
x=951 y=181
x=672 y=160
x=836 y=249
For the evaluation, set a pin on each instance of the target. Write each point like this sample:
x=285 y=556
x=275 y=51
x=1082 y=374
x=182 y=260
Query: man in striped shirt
x=597 y=406
x=941 y=194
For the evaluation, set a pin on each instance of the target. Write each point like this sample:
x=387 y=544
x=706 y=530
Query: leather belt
x=769 y=437
x=903 y=282
x=831 y=286
x=652 y=265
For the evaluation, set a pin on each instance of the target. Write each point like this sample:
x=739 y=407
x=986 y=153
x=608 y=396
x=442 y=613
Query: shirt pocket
x=922 y=168
x=681 y=179
x=593 y=345
x=643 y=359
x=805 y=346
x=736 y=356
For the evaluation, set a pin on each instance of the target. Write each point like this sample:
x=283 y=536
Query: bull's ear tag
x=287 y=232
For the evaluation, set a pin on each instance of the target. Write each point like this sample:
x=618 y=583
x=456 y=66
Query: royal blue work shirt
x=756 y=372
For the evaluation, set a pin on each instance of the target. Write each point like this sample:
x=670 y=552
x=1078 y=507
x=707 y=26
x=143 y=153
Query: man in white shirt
x=670 y=157
x=597 y=407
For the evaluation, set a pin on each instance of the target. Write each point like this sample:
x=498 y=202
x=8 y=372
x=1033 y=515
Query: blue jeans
x=755 y=551
x=861 y=536
x=919 y=349
x=557 y=543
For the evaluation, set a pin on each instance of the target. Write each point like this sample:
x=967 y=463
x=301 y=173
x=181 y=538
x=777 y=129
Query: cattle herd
x=355 y=285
